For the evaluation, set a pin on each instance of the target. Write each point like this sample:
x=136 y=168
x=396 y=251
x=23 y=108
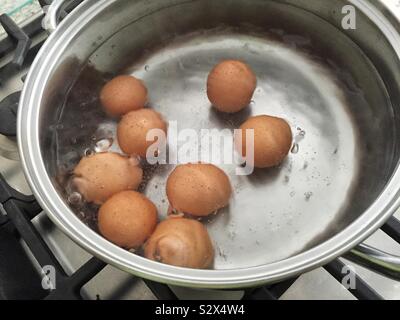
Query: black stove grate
x=20 y=278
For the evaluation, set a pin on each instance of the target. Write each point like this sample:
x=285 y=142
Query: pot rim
x=59 y=212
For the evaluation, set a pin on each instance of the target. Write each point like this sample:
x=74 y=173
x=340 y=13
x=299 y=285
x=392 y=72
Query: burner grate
x=19 y=36
x=392 y=229
x=20 y=211
x=362 y=290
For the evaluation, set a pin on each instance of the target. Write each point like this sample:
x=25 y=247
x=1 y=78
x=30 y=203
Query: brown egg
x=231 y=85
x=127 y=219
x=272 y=140
x=123 y=94
x=181 y=242
x=99 y=176
x=133 y=128
x=198 y=189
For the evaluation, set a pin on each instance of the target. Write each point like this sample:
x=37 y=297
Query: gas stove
x=30 y=242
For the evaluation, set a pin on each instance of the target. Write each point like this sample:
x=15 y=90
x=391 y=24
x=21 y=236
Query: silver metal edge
x=65 y=219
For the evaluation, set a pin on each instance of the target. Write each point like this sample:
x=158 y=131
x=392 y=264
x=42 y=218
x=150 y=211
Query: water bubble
x=292 y=194
x=75 y=198
x=81 y=214
x=300 y=135
x=222 y=254
x=176 y=214
x=103 y=145
x=252 y=103
x=146 y=67
x=308 y=195
x=88 y=152
x=295 y=148
x=286 y=179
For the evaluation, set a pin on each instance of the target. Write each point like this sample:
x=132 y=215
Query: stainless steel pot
x=338 y=88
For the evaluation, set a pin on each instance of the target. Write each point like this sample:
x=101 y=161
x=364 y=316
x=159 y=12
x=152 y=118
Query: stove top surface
x=90 y=278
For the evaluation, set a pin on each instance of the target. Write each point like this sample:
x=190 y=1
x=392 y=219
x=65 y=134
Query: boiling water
x=279 y=209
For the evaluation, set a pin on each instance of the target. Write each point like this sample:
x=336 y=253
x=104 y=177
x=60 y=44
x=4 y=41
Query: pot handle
x=376 y=260
x=53 y=12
